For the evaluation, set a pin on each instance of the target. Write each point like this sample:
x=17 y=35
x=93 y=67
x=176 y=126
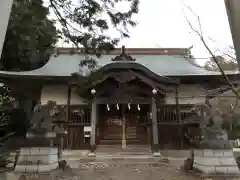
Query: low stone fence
x=215 y=161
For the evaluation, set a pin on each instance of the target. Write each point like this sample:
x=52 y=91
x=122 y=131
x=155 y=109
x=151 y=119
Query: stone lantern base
x=215 y=162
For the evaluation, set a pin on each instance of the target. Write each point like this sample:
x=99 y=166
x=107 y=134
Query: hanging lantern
x=117 y=106
x=108 y=108
x=129 y=106
x=138 y=107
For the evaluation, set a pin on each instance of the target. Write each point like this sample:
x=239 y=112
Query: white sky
x=161 y=23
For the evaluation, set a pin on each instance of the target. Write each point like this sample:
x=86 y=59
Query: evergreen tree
x=30 y=36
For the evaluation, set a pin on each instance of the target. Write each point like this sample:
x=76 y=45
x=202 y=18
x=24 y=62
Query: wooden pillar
x=202 y=120
x=93 y=124
x=68 y=114
x=178 y=116
x=124 y=143
x=178 y=113
x=154 y=125
x=68 y=101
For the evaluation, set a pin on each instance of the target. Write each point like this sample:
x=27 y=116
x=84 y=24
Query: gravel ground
x=127 y=171
x=144 y=171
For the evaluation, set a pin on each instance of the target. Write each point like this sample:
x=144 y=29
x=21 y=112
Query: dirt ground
x=141 y=171
x=127 y=171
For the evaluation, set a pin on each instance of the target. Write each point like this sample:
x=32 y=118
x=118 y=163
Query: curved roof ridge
x=164 y=65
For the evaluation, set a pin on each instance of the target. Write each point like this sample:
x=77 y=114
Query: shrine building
x=131 y=97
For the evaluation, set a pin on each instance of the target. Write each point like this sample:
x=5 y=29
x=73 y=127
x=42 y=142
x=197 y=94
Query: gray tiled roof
x=163 y=65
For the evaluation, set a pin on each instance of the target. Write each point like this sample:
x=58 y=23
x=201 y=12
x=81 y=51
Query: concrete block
x=25 y=151
x=34 y=151
x=17 y=176
x=22 y=158
x=20 y=168
x=218 y=153
x=43 y=168
x=228 y=161
x=35 y=159
x=53 y=158
x=12 y=176
x=42 y=159
x=206 y=169
x=198 y=153
x=221 y=169
x=216 y=162
x=45 y=150
x=54 y=166
x=233 y=170
x=228 y=153
x=208 y=152
x=47 y=167
x=48 y=150
x=198 y=160
x=54 y=151
x=210 y=161
x=30 y=168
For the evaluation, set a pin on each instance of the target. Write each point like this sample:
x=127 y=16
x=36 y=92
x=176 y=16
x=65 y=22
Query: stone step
x=107 y=160
x=128 y=136
x=128 y=141
x=110 y=142
x=112 y=135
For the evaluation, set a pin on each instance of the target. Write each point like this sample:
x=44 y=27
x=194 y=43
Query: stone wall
x=217 y=161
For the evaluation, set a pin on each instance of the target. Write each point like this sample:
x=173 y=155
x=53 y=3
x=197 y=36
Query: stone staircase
x=136 y=135
x=112 y=135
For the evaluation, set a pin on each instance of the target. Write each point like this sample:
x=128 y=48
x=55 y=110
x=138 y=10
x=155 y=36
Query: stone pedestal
x=38 y=154
x=215 y=161
x=30 y=176
x=37 y=159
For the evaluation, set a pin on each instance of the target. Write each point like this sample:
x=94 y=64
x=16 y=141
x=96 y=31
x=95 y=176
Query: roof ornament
x=123 y=56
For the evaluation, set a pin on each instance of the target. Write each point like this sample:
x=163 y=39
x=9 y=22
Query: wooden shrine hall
x=136 y=96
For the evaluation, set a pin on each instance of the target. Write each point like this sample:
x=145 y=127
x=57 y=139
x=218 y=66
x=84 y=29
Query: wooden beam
x=113 y=100
x=150 y=82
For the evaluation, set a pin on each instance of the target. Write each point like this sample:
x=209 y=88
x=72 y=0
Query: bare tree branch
x=200 y=35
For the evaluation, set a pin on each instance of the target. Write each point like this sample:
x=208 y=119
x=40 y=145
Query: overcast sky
x=161 y=23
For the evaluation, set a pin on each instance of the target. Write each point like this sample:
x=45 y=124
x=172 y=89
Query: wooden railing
x=168 y=114
x=80 y=115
